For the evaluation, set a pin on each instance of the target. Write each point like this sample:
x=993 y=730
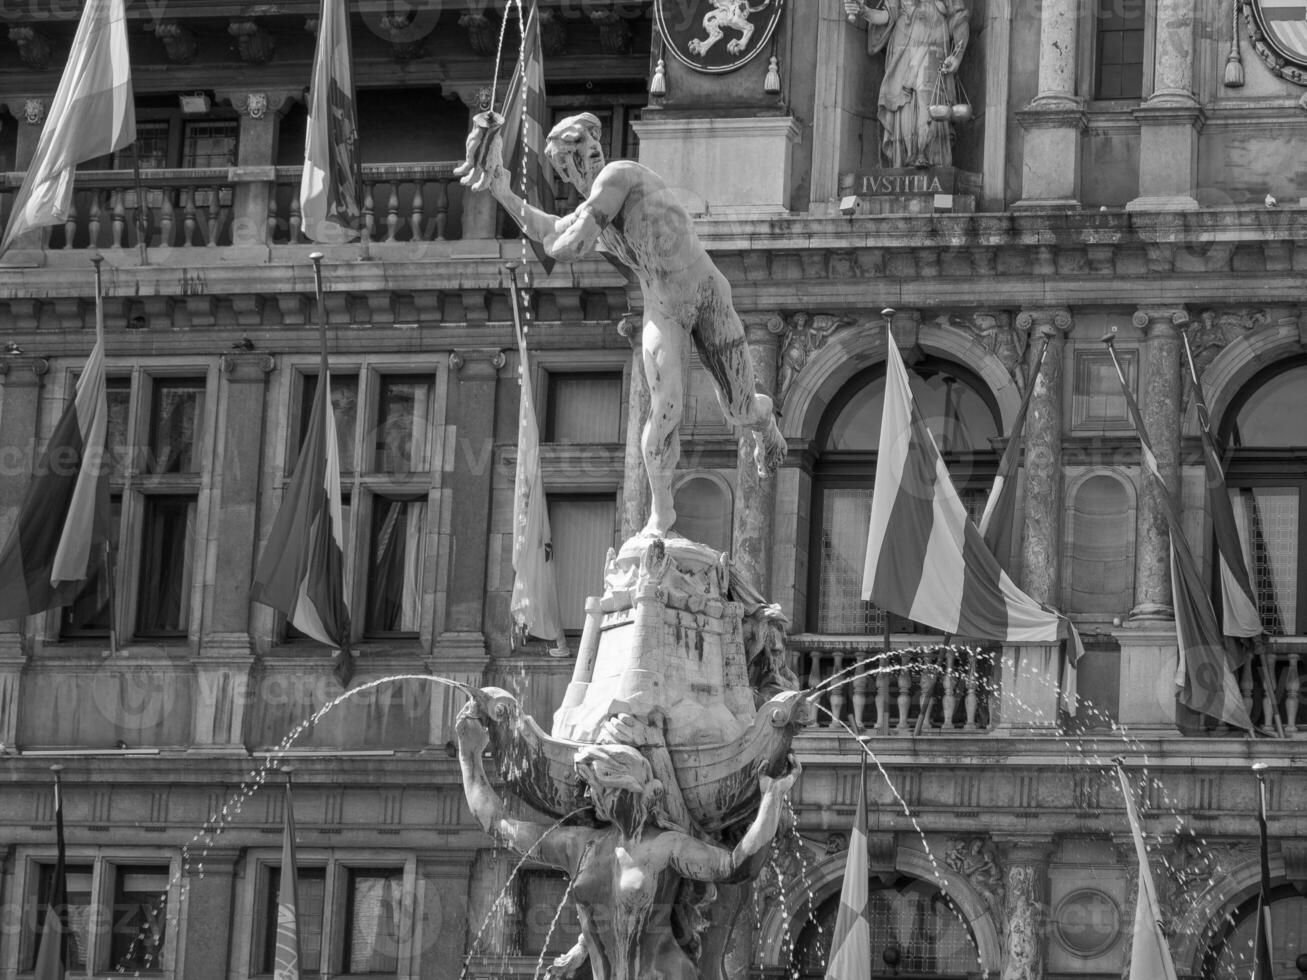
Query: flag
x=302 y=569
x=850 y=944
x=92 y=114
x=329 y=189
x=58 y=539
x=1263 y=944
x=286 y=965
x=1207 y=683
x=52 y=948
x=925 y=559
x=525 y=112
x=1239 y=602
x=534 y=604
x=996 y=522
x=1150 y=957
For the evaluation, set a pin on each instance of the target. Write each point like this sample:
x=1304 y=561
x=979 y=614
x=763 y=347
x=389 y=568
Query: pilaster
x=260 y=121
x=209 y=891
x=1025 y=907
x=441 y=936
x=21 y=378
x=755 y=496
x=1160 y=406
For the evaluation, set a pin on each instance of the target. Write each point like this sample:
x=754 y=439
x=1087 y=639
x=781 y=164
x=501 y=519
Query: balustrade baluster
x=1246 y=687
x=369 y=225
x=415 y=215
x=860 y=686
x=296 y=220
x=927 y=689
x=972 y=699
x=167 y=215
x=882 y=694
x=189 y=220
x=905 y=691
x=837 y=697
x=392 y=211
x=814 y=679
x=442 y=208
x=1270 y=705
x=119 y=222
x=70 y=226
x=93 y=221
x=950 y=689
x=272 y=216
x=1292 y=691
x=213 y=224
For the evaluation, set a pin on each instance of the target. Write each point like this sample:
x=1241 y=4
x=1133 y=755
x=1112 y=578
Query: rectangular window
x=585 y=408
x=395 y=560
x=151 y=146
x=176 y=421
x=374 y=906
x=140 y=919
x=549 y=921
x=78 y=879
x=845 y=517
x=1119 y=64
x=583 y=529
x=167 y=565
x=90 y=613
x=1268 y=521
x=310 y=894
x=403 y=412
x=210 y=143
x=344 y=405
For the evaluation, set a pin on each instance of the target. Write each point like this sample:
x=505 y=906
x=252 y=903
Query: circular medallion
x=1087 y=922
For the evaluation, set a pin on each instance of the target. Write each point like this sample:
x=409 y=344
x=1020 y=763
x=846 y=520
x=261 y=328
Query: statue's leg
x=724 y=351
x=664 y=373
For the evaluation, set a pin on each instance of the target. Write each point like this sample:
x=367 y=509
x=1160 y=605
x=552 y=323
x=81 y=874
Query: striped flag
x=1264 y=943
x=996 y=523
x=302 y=570
x=1239 y=602
x=525 y=114
x=925 y=559
x=58 y=539
x=534 y=604
x=329 y=190
x=850 y=944
x=1150 y=956
x=286 y=965
x=52 y=951
x=1207 y=684
x=92 y=114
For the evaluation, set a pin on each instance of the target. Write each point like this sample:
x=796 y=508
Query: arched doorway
x=917 y=933
x=1229 y=956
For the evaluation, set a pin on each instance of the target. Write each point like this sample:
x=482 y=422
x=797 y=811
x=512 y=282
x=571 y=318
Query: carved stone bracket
x=481 y=33
x=178 y=41
x=553 y=32
x=406 y=42
x=33 y=47
x=491 y=357
x=253 y=42
x=614 y=31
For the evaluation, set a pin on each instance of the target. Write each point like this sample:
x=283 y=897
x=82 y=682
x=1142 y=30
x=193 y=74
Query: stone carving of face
x=573 y=148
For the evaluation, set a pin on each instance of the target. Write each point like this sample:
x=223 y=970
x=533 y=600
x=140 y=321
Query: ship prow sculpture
x=664 y=777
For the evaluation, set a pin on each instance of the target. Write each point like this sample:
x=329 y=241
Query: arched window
x=964 y=420
x=916 y=931
x=1266 y=432
x=1230 y=955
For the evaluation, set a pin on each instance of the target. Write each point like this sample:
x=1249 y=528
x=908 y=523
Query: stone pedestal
x=733 y=167
x=1027 y=677
x=1050 y=159
x=1149 y=657
x=1168 y=155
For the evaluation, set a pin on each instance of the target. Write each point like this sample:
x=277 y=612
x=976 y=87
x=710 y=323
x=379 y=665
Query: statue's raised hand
x=781 y=784
x=470 y=728
x=483 y=165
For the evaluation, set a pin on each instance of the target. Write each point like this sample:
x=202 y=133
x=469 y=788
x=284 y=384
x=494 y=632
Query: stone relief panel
x=977 y=860
x=1212 y=330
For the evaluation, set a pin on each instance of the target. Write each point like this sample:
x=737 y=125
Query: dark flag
x=52 y=951
x=1207 y=682
x=329 y=191
x=850 y=944
x=287 y=963
x=1263 y=944
x=526 y=115
x=58 y=540
x=302 y=570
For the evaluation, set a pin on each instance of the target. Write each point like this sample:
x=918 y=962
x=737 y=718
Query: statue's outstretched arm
x=701 y=861
x=552 y=845
x=484 y=170
x=579 y=232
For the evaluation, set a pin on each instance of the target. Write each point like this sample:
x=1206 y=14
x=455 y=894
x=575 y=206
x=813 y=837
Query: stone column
x=440 y=934
x=1054 y=120
x=1171 y=118
x=226 y=646
x=480 y=212
x=1030 y=672
x=260 y=122
x=1160 y=404
x=755 y=496
x=1025 y=908
x=209 y=915
x=635 y=482
x=20 y=396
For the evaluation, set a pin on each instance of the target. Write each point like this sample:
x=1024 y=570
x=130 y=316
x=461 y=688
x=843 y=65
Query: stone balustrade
x=888 y=693
x=1280 y=705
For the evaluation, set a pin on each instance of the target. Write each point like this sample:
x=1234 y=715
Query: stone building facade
x=1109 y=180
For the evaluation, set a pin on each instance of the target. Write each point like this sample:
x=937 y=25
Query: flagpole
x=96 y=260
x=1263 y=944
x=142 y=213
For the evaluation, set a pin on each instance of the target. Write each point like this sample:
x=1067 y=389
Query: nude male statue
x=630 y=213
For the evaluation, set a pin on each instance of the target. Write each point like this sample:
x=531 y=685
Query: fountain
x=673 y=737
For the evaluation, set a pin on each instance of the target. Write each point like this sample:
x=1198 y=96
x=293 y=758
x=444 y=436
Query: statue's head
x=621 y=785
x=574 y=149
